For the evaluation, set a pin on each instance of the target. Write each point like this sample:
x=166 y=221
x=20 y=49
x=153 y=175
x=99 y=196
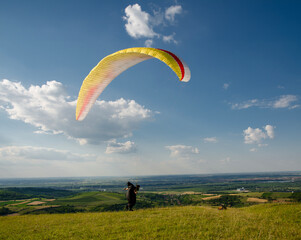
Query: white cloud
x=253 y=150
x=157 y=19
x=226 y=86
x=210 y=140
x=141 y=24
x=182 y=150
x=270 y=131
x=172 y=11
x=294 y=106
x=246 y=104
x=284 y=101
x=32 y=154
x=255 y=136
x=50 y=110
x=115 y=147
x=183 y=159
x=170 y=38
x=148 y=42
x=138 y=22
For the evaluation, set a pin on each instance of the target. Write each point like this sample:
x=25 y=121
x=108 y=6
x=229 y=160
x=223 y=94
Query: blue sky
x=240 y=112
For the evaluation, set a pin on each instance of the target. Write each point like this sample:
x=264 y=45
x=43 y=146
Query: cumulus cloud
x=172 y=11
x=30 y=153
x=50 y=110
x=284 y=101
x=255 y=136
x=115 y=147
x=141 y=24
x=270 y=131
x=138 y=22
x=182 y=150
x=210 y=140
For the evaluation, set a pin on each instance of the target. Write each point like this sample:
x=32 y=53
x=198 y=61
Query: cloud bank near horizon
x=17 y=154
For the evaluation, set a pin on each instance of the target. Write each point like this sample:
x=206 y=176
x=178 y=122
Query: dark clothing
x=130 y=206
x=131 y=196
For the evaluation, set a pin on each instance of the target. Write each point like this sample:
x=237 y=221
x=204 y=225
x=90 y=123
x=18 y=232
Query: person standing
x=131 y=195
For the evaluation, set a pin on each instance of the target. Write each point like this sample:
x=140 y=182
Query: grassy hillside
x=268 y=221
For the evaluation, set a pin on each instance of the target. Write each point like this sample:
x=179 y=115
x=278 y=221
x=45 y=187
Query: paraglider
x=113 y=65
x=131 y=195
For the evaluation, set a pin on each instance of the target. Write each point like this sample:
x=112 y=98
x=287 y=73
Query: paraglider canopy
x=112 y=65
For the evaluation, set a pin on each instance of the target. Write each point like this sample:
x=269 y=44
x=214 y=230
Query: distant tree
x=268 y=196
x=5 y=211
x=11 y=195
x=296 y=196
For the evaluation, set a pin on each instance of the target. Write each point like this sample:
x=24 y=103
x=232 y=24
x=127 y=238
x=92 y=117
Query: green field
x=268 y=221
x=92 y=199
x=109 y=201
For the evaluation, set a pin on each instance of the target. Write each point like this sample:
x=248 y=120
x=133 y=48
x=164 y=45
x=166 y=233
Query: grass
x=268 y=221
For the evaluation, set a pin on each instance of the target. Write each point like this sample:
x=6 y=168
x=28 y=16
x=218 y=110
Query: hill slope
x=268 y=221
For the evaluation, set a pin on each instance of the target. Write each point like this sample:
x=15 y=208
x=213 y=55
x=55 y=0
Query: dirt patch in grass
x=48 y=206
x=213 y=197
x=14 y=214
x=257 y=200
x=15 y=204
x=190 y=193
x=34 y=203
